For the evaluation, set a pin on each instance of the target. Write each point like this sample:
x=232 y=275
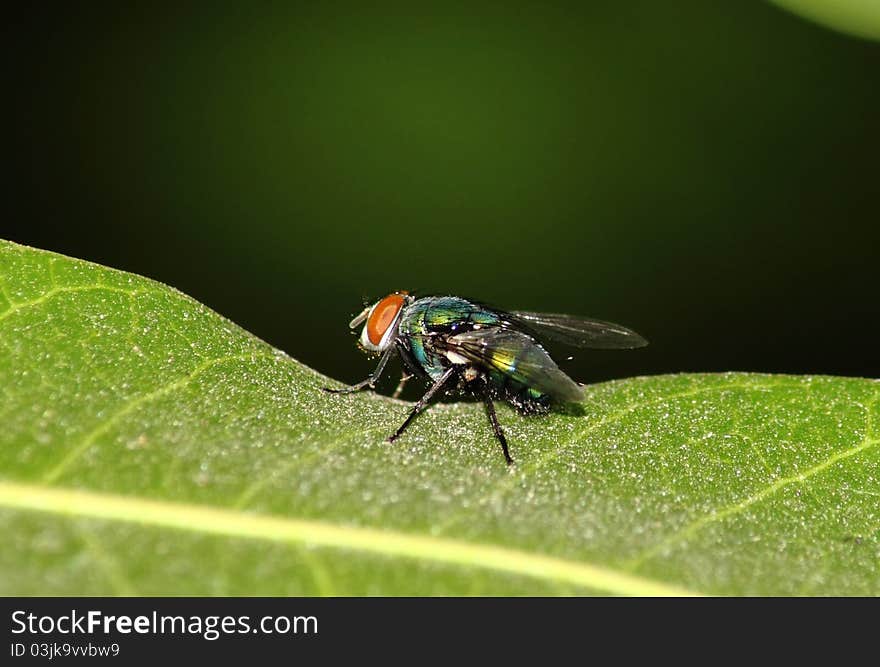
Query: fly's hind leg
x=423 y=401
x=499 y=434
x=369 y=382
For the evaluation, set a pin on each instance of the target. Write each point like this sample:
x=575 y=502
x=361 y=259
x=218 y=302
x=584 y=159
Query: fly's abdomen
x=508 y=375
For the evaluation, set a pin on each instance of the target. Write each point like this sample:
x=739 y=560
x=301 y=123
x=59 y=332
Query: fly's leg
x=490 y=410
x=403 y=378
x=369 y=382
x=423 y=401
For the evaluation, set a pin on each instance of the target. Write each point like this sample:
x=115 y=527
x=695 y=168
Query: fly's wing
x=580 y=331
x=517 y=355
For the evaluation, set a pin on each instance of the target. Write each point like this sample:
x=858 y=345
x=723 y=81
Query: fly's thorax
x=444 y=314
x=426 y=323
x=416 y=344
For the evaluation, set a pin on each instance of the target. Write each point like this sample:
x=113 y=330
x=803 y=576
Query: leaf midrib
x=244 y=525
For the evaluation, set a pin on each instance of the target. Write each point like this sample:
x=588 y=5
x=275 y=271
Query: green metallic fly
x=458 y=344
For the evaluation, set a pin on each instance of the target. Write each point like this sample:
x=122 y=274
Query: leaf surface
x=149 y=446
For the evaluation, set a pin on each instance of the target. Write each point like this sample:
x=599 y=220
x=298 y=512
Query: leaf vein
x=55 y=291
x=508 y=482
x=734 y=509
x=387 y=543
x=75 y=452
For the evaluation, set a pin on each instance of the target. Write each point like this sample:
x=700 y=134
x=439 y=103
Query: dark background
x=705 y=173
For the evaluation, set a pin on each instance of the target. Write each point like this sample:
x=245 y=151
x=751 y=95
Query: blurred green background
x=705 y=173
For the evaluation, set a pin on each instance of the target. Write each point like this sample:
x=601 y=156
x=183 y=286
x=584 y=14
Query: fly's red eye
x=383 y=316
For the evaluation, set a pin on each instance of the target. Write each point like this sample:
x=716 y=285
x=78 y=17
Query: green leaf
x=149 y=446
x=855 y=17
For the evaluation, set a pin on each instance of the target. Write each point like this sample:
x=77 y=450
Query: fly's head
x=380 y=322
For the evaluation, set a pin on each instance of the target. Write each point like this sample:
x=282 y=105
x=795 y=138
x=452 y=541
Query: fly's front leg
x=423 y=401
x=369 y=382
x=403 y=379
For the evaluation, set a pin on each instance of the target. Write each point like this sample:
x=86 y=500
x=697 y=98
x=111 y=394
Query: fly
x=456 y=344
